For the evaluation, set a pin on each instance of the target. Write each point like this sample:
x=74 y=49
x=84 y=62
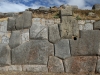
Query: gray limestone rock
x=15 y=39
x=67 y=11
x=55 y=64
x=35 y=68
x=98 y=65
x=96 y=25
x=11 y=24
x=69 y=27
x=33 y=52
x=24 y=21
x=96 y=7
x=87 y=45
x=62 y=49
x=54 y=35
x=5 y=54
x=38 y=31
x=27 y=17
x=80 y=64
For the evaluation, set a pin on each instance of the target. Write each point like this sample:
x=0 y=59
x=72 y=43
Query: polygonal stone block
x=96 y=25
x=62 y=49
x=54 y=35
x=80 y=64
x=55 y=64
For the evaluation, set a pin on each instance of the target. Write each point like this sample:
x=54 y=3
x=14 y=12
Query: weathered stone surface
x=11 y=14
x=19 y=22
x=15 y=39
x=92 y=21
x=38 y=31
x=5 y=54
x=56 y=21
x=98 y=65
x=80 y=64
x=27 y=17
x=97 y=25
x=96 y=7
x=35 y=68
x=54 y=35
x=55 y=64
x=81 y=22
x=88 y=44
x=15 y=68
x=11 y=24
x=69 y=27
x=49 y=22
x=4 y=35
x=87 y=21
x=24 y=36
x=33 y=52
x=62 y=49
x=67 y=11
x=24 y=21
x=74 y=7
x=38 y=21
x=44 y=8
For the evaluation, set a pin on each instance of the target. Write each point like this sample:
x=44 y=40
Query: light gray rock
x=35 y=68
x=88 y=21
x=15 y=39
x=74 y=7
x=97 y=25
x=80 y=64
x=11 y=24
x=55 y=64
x=49 y=22
x=62 y=49
x=44 y=8
x=27 y=17
x=33 y=52
x=69 y=27
x=96 y=7
x=19 y=22
x=87 y=45
x=38 y=32
x=4 y=68
x=67 y=11
x=5 y=54
x=82 y=22
x=14 y=68
x=24 y=36
x=24 y=21
x=88 y=26
x=54 y=35
x=11 y=14
x=38 y=21
x=3 y=26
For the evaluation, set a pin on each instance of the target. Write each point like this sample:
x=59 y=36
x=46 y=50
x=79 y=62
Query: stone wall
x=63 y=45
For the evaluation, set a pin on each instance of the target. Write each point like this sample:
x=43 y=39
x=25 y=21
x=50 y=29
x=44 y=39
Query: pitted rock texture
x=54 y=35
x=55 y=64
x=80 y=64
x=62 y=49
x=5 y=55
x=88 y=44
x=32 y=52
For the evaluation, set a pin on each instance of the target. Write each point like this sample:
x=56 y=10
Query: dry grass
x=83 y=14
x=3 y=19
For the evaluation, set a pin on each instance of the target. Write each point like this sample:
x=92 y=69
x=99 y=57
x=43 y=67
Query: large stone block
x=69 y=27
x=33 y=52
x=3 y=26
x=15 y=39
x=49 y=22
x=24 y=36
x=82 y=22
x=38 y=21
x=5 y=55
x=27 y=17
x=35 y=68
x=80 y=64
x=67 y=11
x=62 y=49
x=11 y=24
x=24 y=21
x=55 y=64
x=98 y=65
x=87 y=45
x=38 y=31
x=87 y=26
x=97 y=25
x=54 y=35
